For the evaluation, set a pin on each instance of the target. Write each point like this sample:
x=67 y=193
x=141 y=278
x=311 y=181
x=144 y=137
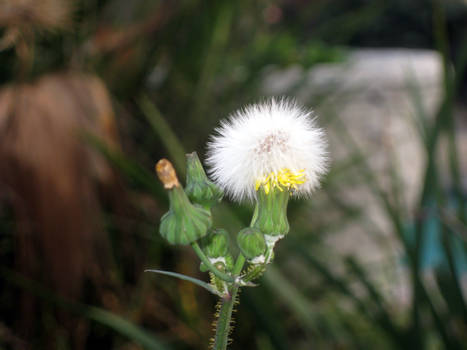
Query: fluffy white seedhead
x=265 y=141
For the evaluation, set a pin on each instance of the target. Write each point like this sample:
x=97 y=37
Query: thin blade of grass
x=420 y=115
x=170 y=140
x=342 y=287
x=101 y=316
x=450 y=295
x=447 y=242
x=133 y=171
x=266 y=316
x=441 y=324
x=292 y=297
x=311 y=319
x=374 y=294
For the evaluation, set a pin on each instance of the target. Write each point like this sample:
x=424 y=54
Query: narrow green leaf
x=342 y=286
x=312 y=320
x=170 y=140
x=196 y=281
x=104 y=317
x=266 y=315
x=456 y=285
x=124 y=327
x=132 y=170
x=374 y=294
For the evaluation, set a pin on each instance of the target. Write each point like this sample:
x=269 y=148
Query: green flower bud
x=216 y=243
x=251 y=242
x=270 y=214
x=222 y=263
x=184 y=223
x=199 y=188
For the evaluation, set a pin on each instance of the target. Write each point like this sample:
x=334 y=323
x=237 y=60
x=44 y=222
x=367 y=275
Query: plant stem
x=223 y=276
x=223 y=322
x=239 y=264
x=225 y=313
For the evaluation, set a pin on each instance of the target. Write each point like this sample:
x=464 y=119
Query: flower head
x=271 y=145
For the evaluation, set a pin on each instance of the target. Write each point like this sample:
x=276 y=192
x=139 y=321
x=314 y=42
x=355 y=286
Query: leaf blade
x=196 y=281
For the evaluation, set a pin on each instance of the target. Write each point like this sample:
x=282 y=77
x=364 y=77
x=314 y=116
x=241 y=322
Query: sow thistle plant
x=265 y=154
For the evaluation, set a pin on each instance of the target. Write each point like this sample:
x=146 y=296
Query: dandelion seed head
x=274 y=144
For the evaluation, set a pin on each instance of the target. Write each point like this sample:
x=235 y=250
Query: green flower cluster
x=189 y=222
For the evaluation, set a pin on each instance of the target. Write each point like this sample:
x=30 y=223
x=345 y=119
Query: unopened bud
x=199 y=188
x=184 y=223
x=216 y=243
x=222 y=263
x=251 y=242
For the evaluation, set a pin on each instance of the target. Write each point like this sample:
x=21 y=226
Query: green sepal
x=270 y=214
x=184 y=223
x=216 y=243
x=254 y=272
x=199 y=188
x=251 y=242
x=229 y=262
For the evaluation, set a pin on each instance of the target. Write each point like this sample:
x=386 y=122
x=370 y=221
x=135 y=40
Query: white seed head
x=275 y=142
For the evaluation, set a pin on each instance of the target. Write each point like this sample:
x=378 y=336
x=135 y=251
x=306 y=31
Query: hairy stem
x=223 y=322
x=225 y=313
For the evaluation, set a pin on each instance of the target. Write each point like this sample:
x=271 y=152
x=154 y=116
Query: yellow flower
x=284 y=179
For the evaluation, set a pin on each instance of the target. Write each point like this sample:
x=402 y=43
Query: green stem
x=225 y=313
x=223 y=276
x=223 y=322
x=239 y=264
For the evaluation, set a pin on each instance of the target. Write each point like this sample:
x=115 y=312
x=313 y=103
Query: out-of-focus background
x=94 y=92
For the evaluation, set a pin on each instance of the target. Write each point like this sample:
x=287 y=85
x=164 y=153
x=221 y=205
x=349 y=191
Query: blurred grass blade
x=342 y=287
x=450 y=295
x=451 y=84
x=170 y=140
x=441 y=325
x=196 y=281
x=393 y=213
x=106 y=318
x=420 y=115
x=260 y=303
x=124 y=327
x=213 y=57
x=358 y=272
x=456 y=285
x=384 y=316
x=337 y=283
x=133 y=171
x=292 y=297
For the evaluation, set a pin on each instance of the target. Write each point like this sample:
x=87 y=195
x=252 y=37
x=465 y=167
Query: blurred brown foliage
x=51 y=176
x=24 y=19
